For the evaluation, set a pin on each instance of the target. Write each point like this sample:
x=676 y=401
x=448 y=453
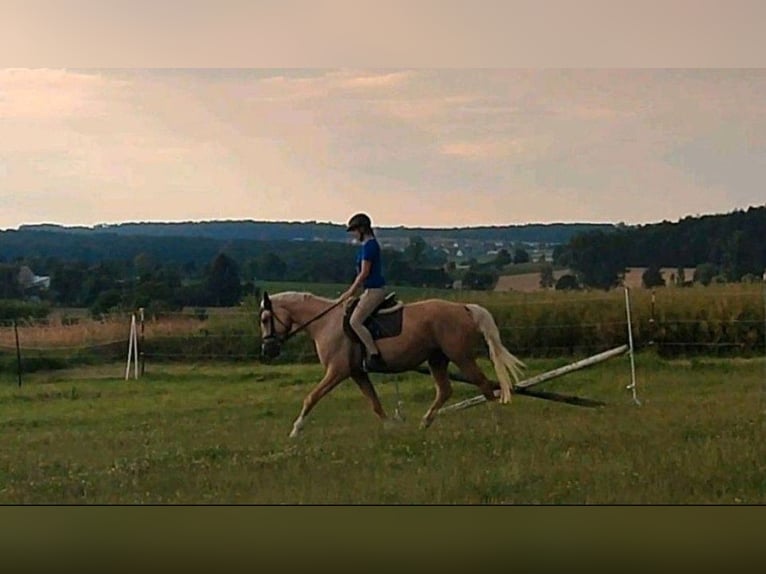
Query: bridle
x=281 y=339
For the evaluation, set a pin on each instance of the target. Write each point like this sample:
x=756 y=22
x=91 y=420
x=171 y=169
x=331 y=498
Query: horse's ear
x=266 y=304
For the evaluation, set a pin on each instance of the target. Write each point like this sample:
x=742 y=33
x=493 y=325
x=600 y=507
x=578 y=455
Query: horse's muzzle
x=270 y=348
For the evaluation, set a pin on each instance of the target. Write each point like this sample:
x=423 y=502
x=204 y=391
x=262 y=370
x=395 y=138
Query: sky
x=409 y=143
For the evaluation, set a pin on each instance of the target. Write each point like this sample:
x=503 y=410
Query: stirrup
x=374 y=364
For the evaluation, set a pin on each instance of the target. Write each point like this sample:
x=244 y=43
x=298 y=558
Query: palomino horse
x=434 y=330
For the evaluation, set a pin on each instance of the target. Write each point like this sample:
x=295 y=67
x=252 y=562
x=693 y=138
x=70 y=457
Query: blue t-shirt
x=370 y=251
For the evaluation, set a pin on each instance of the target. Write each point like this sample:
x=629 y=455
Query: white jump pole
x=132 y=349
x=135 y=347
x=541 y=378
x=581 y=364
x=632 y=385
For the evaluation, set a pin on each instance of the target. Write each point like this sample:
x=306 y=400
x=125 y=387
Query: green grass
x=218 y=434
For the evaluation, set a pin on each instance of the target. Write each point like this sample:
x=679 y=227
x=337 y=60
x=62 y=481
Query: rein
x=289 y=335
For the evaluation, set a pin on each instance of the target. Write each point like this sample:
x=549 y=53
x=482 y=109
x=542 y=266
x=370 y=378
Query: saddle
x=385 y=321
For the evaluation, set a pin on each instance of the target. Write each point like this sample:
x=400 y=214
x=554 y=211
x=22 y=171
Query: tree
x=272 y=267
x=560 y=255
x=144 y=265
x=67 y=283
x=106 y=302
x=567 y=282
x=652 y=277
x=520 y=256
x=9 y=284
x=503 y=258
x=547 y=279
x=415 y=252
x=704 y=273
x=159 y=289
x=598 y=258
x=223 y=282
x=478 y=279
x=99 y=278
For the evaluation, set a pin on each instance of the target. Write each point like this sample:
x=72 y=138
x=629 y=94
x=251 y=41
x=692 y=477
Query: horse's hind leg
x=365 y=385
x=328 y=382
x=438 y=366
x=475 y=376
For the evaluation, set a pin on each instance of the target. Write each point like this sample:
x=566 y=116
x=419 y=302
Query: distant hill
x=553 y=233
x=90 y=246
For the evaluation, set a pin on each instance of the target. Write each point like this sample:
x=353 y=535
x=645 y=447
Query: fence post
x=18 y=351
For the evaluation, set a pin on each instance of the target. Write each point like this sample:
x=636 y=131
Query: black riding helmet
x=361 y=220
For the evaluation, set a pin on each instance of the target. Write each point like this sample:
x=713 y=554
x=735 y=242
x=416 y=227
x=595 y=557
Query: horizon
x=291 y=222
x=411 y=147
x=343 y=223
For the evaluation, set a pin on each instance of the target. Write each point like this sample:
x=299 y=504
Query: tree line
x=727 y=248
x=110 y=272
x=325 y=231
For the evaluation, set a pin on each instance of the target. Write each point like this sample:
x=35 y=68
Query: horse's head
x=274 y=328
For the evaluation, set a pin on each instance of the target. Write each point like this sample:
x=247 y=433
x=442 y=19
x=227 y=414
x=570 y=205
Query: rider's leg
x=369 y=300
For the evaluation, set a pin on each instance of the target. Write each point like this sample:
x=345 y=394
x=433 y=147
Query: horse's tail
x=502 y=359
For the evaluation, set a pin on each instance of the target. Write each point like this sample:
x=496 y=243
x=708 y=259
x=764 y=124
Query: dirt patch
x=525 y=282
x=530 y=282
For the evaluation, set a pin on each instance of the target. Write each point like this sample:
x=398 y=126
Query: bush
x=567 y=282
x=14 y=310
x=652 y=277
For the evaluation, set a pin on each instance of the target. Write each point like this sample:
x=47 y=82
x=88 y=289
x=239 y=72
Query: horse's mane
x=298 y=296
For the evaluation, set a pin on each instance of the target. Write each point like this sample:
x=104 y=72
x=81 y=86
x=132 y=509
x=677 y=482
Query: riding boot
x=375 y=363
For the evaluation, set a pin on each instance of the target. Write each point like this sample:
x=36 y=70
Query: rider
x=370 y=278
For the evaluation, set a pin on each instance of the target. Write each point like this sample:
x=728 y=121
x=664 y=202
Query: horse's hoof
x=424 y=424
x=294 y=433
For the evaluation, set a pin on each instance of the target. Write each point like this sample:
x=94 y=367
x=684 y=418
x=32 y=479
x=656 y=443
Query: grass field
x=218 y=434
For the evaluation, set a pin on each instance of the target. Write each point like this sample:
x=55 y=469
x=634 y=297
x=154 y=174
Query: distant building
x=28 y=280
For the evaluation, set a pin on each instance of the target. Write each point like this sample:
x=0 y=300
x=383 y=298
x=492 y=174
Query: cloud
x=330 y=84
x=528 y=145
x=510 y=149
x=29 y=94
x=366 y=81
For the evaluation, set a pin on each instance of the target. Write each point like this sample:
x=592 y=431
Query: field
x=217 y=433
x=530 y=282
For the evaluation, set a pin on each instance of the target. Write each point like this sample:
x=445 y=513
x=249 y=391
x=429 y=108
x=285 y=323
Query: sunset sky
x=415 y=146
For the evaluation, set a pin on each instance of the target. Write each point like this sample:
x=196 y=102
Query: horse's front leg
x=328 y=382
